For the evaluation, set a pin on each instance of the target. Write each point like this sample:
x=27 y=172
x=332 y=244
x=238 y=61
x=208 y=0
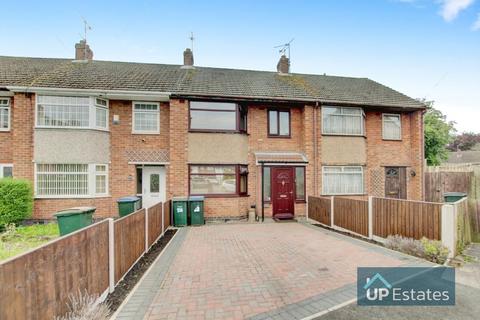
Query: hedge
x=16 y=200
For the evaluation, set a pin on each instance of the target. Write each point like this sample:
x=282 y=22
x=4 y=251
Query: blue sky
x=423 y=48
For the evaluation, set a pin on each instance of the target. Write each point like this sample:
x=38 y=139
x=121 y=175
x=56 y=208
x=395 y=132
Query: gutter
x=111 y=94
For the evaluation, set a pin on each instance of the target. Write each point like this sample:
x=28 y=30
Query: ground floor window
x=6 y=170
x=341 y=180
x=218 y=179
x=71 y=180
x=299 y=184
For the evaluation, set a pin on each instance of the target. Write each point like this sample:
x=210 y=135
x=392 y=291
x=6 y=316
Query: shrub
x=83 y=306
x=16 y=200
x=427 y=249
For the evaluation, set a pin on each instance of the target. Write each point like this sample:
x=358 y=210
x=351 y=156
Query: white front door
x=153 y=185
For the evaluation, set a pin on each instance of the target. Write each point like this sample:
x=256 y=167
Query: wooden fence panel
x=37 y=284
x=166 y=213
x=154 y=222
x=129 y=236
x=413 y=219
x=351 y=214
x=319 y=209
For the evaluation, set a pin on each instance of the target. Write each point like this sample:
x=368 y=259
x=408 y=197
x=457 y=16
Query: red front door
x=283 y=183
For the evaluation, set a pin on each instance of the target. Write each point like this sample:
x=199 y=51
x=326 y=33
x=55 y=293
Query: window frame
x=7 y=107
x=296 y=200
x=240 y=111
x=362 y=116
x=136 y=131
x=278 y=111
x=5 y=165
x=343 y=167
x=104 y=174
x=237 y=174
x=91 y=182
x=399 y=115
x=92 y=113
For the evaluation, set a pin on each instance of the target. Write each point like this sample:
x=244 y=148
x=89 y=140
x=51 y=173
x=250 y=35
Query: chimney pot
x=83 y=51
x=188 y=58
x=283 y=65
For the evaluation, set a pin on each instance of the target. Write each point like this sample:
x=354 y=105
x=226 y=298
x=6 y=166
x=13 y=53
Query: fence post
x=163 y=217
x=332 y=206
x=449 y=227
x=146 y=229
x=370 y=217
x=111 y=255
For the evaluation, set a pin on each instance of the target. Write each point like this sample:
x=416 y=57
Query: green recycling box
x=196 y=210
x=73 y=219
x=453 y=196
x=179 y=205
x=127 y=205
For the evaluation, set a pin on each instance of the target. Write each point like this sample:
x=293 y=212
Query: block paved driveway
x=257 y=271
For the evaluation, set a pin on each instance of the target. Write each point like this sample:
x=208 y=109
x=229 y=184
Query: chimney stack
x=188 y=58
x=283 y=65
x=83 y=51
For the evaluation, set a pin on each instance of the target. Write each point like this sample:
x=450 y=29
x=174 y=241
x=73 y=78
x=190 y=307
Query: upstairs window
x=72 y=112
x=4 y=114
x=343 y=121
x=217 y=116
x=392 y=127
x=279 y=123
x=146 y=117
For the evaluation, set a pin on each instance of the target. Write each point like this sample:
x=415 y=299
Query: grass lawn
x=14 y=241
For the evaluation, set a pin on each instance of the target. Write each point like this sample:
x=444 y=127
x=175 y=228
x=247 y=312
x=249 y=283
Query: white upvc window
x=4 y=114
x=342 y=180
x=146 y=118
x=71 y=112
x=71 y=180
x=343 y=121
x=392 y=126
x=6 y=170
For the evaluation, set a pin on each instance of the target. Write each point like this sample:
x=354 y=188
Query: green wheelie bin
x=196 y=206
x=127 y=205
x=180 y=205
x=453 y=196
x=73 y=219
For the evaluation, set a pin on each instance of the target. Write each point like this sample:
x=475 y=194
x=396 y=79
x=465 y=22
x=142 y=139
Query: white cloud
x=451 y=8
x=476 y=24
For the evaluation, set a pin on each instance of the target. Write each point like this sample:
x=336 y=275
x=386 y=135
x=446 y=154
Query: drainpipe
x=315 y=149
x=263 y=194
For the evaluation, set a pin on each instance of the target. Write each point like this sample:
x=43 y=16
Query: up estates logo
x=373 y=294
x=406 y=286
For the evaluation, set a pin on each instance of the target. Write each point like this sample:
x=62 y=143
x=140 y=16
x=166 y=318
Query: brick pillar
x=415 y=190
x=178 y=169
x=22 y=135
x=308 y=145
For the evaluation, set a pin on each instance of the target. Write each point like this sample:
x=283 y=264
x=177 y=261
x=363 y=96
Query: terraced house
x=87 y=132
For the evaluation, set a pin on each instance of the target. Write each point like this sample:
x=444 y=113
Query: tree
x=465 y=141
x=438 y=134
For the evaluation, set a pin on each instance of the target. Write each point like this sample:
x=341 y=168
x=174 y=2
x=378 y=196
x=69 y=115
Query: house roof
x=198 y=81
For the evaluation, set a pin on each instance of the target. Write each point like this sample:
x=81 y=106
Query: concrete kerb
x=130 y=294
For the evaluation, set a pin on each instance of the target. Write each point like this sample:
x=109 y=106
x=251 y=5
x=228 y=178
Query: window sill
x=216 y=131
x=344 y=135
x=222 y=195
x=4 y=130
x=398 y=140
x=71 y=197
x=343 y=195
x=145 y=133
x=279 y=137
x=72 y=128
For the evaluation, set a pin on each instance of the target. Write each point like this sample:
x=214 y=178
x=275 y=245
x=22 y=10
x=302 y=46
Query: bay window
x=4 y=114
x=217 y=116
x=343 y=121
x=71 y=180
x=146 y=118
x=218 y=179
x=72 y=112
x=342 y=180
x=392 y=127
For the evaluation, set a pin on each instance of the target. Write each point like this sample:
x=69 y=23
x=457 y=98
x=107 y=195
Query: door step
x=284 y=217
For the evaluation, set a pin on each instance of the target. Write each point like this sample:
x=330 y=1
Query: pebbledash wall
x=370 y=151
